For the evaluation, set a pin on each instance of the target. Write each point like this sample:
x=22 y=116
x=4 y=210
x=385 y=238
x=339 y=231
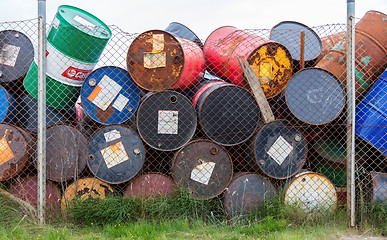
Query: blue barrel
x=181 y=31
x=109 y=95
x=371 y=115
x=7 y=106
x=115 y=154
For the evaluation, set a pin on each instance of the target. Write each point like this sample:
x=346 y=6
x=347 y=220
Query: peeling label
x=158 y=42
x=8 y=55
x=114 y=155
x=104 y=93
x=155 y=59
x=168 y=122
x=112 y=135
x=202 y=173
x=280 y=150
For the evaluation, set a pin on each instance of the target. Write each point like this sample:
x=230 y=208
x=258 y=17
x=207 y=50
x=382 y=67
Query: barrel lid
x=115 y=154
x=109 y=95
x=16 y=55
x=83 y=21
x=182 y=31
x=288 y=34
x=315 y=96
x=204 y=167
x=166 y=120
x=155 y=60
x=280 y=149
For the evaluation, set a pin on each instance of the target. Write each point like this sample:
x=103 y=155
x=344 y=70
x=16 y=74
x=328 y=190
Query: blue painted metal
x=180 y=30
x=7 y=106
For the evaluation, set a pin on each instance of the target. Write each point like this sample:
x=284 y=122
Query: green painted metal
x=78 y=34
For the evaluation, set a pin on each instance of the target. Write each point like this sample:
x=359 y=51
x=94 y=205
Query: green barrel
x=78 y=34
x=58 y=95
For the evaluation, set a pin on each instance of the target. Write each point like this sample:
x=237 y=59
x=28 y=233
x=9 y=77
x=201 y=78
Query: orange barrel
x=246 y=192
x=85 y=188
x=158 y=60
x=150 y=185
x=371 y=52
x=204 y=167
x=16 y=147
x=66 y=153
x=271 y=61
x=27 y=190
x=329 y=41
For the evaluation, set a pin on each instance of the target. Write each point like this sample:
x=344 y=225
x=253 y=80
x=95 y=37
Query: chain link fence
x=141 y=115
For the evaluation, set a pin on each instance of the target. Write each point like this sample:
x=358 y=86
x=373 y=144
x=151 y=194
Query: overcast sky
x=201 y=16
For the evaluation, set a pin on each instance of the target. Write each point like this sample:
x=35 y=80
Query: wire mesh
x=141 y=115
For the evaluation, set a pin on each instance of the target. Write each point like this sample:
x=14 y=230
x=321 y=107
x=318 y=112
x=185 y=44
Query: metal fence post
x=41 y=110
x=351 y=111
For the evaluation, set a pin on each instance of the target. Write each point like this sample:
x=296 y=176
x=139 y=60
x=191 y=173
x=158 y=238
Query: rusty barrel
x=115 y=154
x=27 y=189
x=279 y=149
x=150 y=185
x=15 y=150
x=85 y=188
x=66 y=153
x=371 y=50
x=289 y=33
x=271 y=61
x=182 y=31
x=158 y=60
x=246 y=192
x=329 y=41
x=228 y=114
x=379 y=187
x=203 y=167
x=314 y=96
x=166 y=120
x=311 y=192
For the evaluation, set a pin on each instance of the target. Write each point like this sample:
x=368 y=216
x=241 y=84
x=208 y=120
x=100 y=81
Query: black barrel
x=280 y=149
x=180 y=30
x=204 y=167
x=166 y=120
x=115 y=154
x=66 y=153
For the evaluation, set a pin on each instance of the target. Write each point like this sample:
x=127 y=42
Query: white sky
x=201 y=16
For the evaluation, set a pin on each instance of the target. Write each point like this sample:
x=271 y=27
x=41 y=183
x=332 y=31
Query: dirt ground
x=361 y=237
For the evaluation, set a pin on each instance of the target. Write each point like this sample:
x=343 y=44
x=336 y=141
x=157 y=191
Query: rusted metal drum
x=288 y=33
x=115 y=154
x=247 y=192
x=371 y=115
x=27 y=190
x=85 y=188
x=204 y=167
x=208 y=78
x=66 y=153
x=15 y=150
x=181 y=31
x=271 y=61
x=157 y=60
x=228 y=114
x=150 y=185
x=109 y=95
x=16 y=56
x=371 y=49
x=27 y=114
x=166 y=120
x=314 y=96
x=379 y=187
x=312 y=192
x=329 y=41
x=280 y=149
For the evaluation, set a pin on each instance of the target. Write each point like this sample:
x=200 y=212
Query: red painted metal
x=150 y=185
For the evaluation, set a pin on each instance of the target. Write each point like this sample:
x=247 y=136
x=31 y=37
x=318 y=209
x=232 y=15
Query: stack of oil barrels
x=182 y=113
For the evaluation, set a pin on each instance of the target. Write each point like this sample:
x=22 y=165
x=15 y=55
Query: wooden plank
x=257 y=90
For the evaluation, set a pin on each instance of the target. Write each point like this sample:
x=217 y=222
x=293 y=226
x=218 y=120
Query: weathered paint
x=150 y=185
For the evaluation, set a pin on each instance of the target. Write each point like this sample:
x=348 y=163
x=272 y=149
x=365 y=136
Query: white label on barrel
x=120 y=102
x=158 y=42
x=114 y=154
x=168 y=122
x=8 y=55
x=112 y=135
x=202 y=173
x=55 y=22
x=155 y=59
x=280 y=150
x=104 y=93
x=83 y=22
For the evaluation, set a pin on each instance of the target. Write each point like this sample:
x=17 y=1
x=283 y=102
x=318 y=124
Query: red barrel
x=271 y=61
x=150 y=185
x=157 y=60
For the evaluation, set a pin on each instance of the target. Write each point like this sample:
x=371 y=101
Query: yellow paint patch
x=6 y=153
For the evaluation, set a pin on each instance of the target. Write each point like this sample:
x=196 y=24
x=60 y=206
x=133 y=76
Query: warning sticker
x=155 y=59
x=202 y=173
x=114 y=155
x=112 y=135
x=280 y=150
x=168 y=122
x=8 y=55
x=6 y=153
x=120 y=102
x=104 y=93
